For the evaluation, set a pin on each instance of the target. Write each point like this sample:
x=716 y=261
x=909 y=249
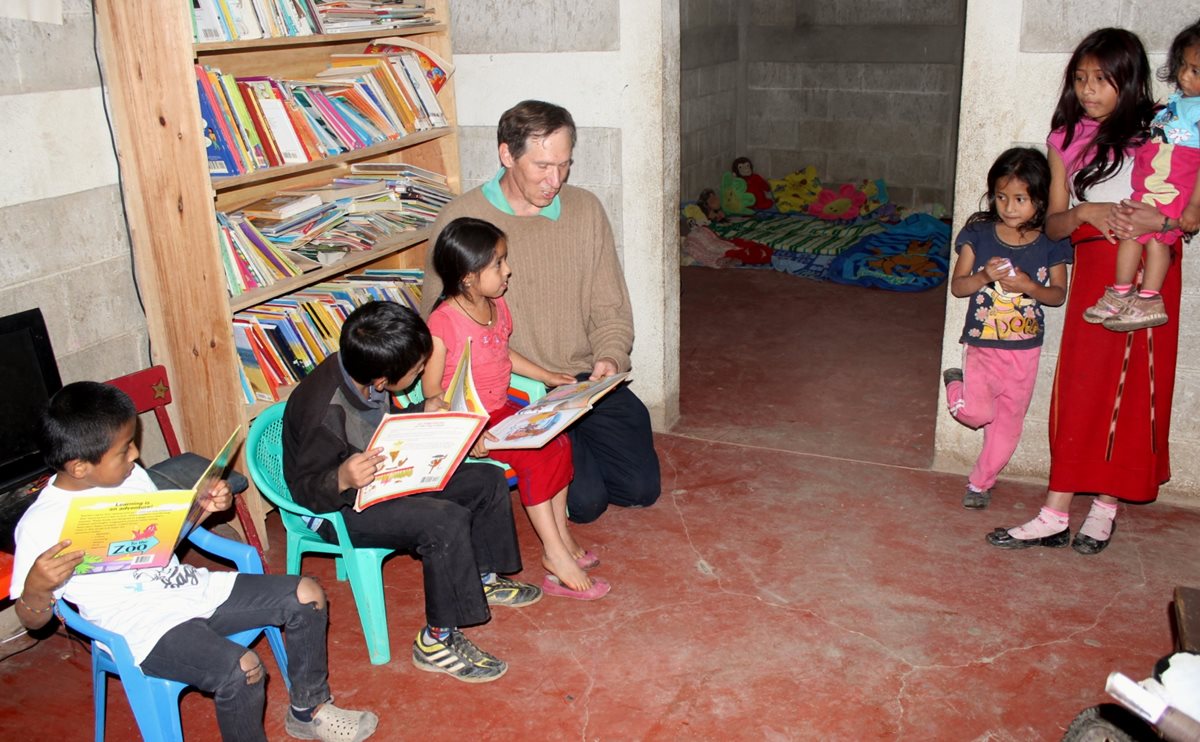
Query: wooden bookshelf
x=148 y=63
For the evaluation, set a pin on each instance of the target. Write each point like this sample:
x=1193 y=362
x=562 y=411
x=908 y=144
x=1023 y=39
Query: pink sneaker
x=1111 y=304
x=1138 y=313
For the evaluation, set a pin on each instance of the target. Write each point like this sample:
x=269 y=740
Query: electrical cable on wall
x=112 y=138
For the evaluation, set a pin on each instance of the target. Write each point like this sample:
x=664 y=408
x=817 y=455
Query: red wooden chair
x=150 y=391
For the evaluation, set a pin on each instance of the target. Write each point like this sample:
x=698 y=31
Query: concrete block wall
x=858 y=88
x=64 y=241
x=1012 y=72
x=709 y=81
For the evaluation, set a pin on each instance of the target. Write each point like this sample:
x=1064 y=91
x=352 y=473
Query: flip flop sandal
x=554 y=586
x=588 y=561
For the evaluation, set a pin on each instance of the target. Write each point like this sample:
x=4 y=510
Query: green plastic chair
x=363 y=567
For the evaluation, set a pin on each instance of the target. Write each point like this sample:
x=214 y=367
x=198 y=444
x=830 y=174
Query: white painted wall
x=1008 y=96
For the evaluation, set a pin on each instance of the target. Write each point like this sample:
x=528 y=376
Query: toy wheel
x=1108 y=722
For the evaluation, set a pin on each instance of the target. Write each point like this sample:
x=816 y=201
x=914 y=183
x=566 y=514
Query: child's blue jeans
x=196 y=652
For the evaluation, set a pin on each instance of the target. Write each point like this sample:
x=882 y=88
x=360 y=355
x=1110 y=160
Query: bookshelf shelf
x=209 y=47
x=149 y=63
x=230 y=183
x=385 y=248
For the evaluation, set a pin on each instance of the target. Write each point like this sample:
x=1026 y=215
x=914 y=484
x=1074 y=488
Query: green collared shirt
x=495 y=196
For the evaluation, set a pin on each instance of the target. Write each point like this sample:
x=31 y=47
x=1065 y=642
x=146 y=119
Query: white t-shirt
x=139 y=604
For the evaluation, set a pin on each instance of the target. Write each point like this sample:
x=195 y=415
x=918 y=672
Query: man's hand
x=604 y=367
x=359 y=469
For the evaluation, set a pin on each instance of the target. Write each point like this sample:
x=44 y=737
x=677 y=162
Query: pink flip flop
x=588 y=561
x=553 y=586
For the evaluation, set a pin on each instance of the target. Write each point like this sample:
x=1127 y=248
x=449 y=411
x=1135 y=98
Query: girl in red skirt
x=471 y=257
x=1110 y=412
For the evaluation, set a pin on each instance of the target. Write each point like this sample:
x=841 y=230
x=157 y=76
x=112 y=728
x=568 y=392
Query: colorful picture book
x=139 y=530
x=237 y=20
x=422 y=450
x=535 y=425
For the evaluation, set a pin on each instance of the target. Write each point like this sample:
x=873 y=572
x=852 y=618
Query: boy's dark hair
x=465 y=246
x=532 y=119
x=81 y=422
x=1184 y=40
x=383 y=339
x=1027 y=165
x=1122 y=57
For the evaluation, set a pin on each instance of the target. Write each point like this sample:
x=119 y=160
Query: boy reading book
x=464 y=534
x=175 y=619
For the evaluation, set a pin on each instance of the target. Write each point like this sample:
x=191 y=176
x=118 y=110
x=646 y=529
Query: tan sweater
x=569 y=302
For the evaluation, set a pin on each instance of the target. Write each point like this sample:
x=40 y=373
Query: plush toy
x=735 y=200
x=840 y=205
x=756 y=185
x=795 y=191
x=876 y=193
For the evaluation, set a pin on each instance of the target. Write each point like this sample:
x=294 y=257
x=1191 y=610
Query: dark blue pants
x=614 y=456
x=196 y=652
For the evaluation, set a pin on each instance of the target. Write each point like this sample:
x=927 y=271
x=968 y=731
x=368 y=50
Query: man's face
x=536 y=177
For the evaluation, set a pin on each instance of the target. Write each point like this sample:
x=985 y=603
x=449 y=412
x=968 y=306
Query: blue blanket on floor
x=910 y=256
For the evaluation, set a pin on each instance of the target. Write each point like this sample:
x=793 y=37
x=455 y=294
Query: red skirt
x=1110 y=413
x=541 y=472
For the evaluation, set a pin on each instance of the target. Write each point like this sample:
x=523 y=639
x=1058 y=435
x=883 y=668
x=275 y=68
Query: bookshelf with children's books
x=150 y=63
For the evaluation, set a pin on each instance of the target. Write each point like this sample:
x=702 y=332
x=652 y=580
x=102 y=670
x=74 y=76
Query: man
x=568 y=298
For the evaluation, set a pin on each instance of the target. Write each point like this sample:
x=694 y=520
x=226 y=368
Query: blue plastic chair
x=155 y=701
x=363 y=567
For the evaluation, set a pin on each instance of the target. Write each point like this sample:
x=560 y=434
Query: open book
x=535 y=425
x=141 y=529
x=421 y=450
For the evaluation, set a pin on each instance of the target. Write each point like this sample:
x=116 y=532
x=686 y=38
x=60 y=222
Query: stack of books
x=239 y=20
x=281 y=341
x=252 y=261
x=358 y=101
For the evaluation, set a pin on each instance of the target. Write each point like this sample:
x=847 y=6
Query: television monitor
x=28 y=378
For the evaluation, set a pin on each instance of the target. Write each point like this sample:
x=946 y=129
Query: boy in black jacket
x=464 y=534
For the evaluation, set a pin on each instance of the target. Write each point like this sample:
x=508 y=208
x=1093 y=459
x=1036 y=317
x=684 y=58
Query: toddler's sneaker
x=1138 y=313
x=332 y=724
x=973 y=500
x=457 y=657
x=1111 y=304
x=503 y=591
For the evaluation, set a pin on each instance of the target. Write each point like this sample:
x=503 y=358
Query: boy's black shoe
x=952 y=374
x=973 y=500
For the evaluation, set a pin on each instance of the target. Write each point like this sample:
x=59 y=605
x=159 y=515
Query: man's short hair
x=383 y=339
x=532 y=119
x=81 y=422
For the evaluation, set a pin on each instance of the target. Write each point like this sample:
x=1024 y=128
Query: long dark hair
x=1186 y=39
x=1121 y=56
x=464 y=247
x=1030 y=167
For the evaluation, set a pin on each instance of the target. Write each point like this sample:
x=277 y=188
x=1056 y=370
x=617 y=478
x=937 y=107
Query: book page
x=212 y=475
x=534 y=430
x=126 y=531
x=461 y=395
x=421 y=451
x=580 y=395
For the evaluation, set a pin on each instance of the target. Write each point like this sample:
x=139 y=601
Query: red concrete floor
x=804 y=576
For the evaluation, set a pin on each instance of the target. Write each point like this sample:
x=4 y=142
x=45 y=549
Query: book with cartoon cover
x=535 y=425
x=422 y=450
x=139 y=530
